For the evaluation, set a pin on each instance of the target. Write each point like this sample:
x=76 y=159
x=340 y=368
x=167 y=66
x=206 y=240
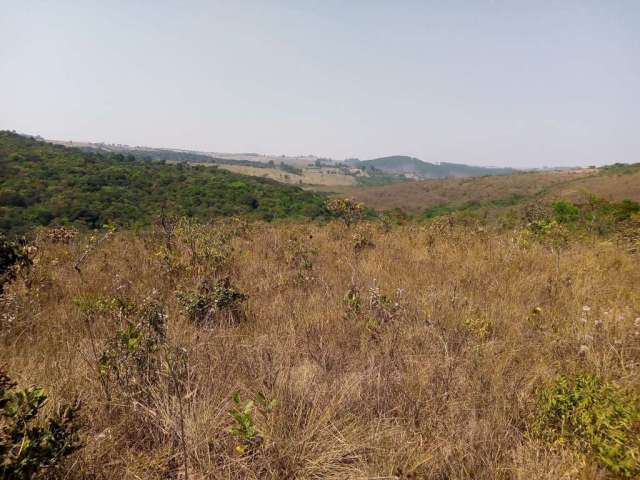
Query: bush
x=346 y=209
x=594 y=417
x=566 y=212
x=12 y=257
x=215 y=304
x=361 y=238
x=248 y=435
x=29 y=446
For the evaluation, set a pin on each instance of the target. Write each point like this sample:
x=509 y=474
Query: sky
x=501 y=83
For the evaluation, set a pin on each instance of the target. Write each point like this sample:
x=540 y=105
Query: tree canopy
x=42 y=184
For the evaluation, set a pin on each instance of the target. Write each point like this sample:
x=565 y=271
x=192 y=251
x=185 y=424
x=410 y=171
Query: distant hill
x=195 y=156
x=42 y=184
x=411 y=166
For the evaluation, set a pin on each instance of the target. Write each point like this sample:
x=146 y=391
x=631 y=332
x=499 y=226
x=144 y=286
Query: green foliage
x=29 y=444
x=620 y=169
x=91 y=305
x=213 y=304
x=437 y=210
x=245 y=429
x=405 y=164
x=376 y=177
x=594 y=417
x=469 y=206
x=43 y=184
x=13 y=256
x=565 y=211
x=597 y=216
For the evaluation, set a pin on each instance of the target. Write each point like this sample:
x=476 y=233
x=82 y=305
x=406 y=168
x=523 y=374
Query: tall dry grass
x=418 y=354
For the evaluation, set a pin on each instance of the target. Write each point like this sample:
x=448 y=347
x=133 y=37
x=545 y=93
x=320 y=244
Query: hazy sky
x=491 y=83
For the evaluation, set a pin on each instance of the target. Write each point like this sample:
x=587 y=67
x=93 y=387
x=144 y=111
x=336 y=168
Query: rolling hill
x=613 y=183
x=414 y=167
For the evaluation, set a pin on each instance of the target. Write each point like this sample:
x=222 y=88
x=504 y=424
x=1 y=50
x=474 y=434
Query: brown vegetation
x=416 y=196
x=419 y=352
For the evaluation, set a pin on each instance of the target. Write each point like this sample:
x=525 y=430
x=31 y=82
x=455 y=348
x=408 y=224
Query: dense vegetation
x=160 y=154
x=42 y=184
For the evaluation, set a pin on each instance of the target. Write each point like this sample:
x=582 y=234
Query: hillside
x=309 y=171
x=414 y=197
x=42 y=184
x=404 y=165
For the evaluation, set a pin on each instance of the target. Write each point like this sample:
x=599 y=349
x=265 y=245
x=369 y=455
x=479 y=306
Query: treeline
x=43 y=184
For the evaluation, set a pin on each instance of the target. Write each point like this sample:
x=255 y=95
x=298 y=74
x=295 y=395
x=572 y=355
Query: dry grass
x=436 y=380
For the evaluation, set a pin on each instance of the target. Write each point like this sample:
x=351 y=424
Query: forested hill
x=42 y=184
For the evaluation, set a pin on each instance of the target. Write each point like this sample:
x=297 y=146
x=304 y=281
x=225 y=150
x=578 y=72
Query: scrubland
x=375 y=351
x=576 y=185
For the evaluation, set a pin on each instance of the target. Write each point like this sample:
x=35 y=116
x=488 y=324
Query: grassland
x=371 y=352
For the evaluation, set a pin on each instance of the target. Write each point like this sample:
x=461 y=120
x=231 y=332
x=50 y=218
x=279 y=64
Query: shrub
x=479 y=325
x=565 y=211
x=249 y=436
x=299 y=254
x=213 y=304
x=13 y=256
x=353 y=301
x=594 y=417
x=382 y=309
x=206 y=245
x=131 y=359
x=362 y=238
x=29 y=445
x=346 y=209
x=61 y=234
x=535 y=212
x=629 y=234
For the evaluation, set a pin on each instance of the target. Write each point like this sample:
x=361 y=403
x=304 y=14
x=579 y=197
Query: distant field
x=575 y=185
x=310 y=176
